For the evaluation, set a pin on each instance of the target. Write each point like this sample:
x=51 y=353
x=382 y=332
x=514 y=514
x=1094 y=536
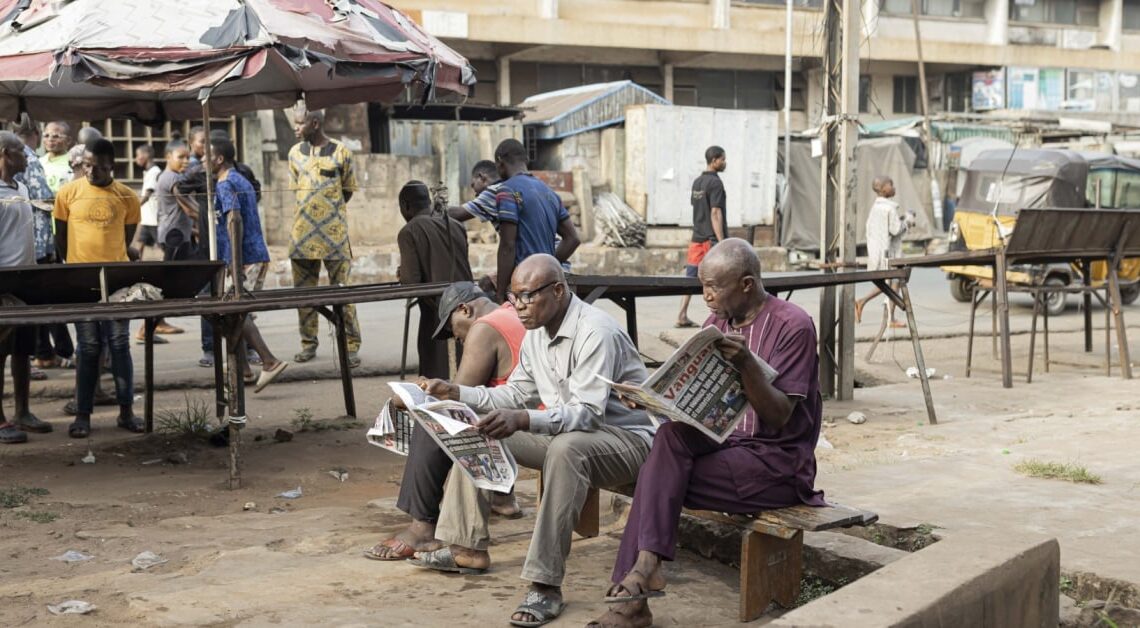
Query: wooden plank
x=770 y=570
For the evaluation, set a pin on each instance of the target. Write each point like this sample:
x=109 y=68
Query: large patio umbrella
x=158 y=60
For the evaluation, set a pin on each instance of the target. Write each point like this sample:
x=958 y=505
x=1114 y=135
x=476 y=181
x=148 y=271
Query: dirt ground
x=298 y=562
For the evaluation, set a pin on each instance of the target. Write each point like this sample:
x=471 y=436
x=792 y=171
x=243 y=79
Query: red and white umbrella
x=159 y=60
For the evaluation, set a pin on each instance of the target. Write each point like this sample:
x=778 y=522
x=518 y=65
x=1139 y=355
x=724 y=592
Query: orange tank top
x=505 y=321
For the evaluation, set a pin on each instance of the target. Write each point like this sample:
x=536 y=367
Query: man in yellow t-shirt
x=95 y=218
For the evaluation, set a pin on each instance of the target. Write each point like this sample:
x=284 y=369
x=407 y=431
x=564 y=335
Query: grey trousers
x=571 y=463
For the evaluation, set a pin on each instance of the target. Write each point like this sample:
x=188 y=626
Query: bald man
x=769 y=462
x=583 y=437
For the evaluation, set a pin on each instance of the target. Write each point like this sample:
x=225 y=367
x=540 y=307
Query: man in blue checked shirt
x=528 y=215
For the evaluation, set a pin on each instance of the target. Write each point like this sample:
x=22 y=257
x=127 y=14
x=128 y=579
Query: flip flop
x=36 y=375
x=443 y=560
x=403 y=551
x=685 y=324
x=614 y=619
x=79 y=429
x=639 y=594
x=542 y=607
x=267 y=376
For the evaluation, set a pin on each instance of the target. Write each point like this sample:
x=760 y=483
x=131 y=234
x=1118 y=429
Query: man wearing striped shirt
x=528 y=215
x=769 y=462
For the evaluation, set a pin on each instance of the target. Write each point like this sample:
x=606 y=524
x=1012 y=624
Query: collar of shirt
x=569 y=326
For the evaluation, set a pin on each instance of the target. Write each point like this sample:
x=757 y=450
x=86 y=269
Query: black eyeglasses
x=526 y=298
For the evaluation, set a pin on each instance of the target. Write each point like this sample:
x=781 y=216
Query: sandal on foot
x=132 y=424
x=268 y=375
x=640 y=593
x=615 y=619
x=11 y=435
x=305 y=355
x=684 y=324
x=206 y=361
x=443 y=560
x=353 y=360
x=79 y=429
x=36 y=375
x=397 y=550
x=542 y=607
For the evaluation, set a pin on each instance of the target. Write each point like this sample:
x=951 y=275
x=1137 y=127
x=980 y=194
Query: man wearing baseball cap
x=491 y=336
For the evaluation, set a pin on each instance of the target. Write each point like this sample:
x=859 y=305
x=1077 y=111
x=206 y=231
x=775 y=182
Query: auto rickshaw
x=1001 y=182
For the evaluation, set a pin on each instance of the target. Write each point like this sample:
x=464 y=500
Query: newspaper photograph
x=697 y=386
x=451 y=424
x=393 y=427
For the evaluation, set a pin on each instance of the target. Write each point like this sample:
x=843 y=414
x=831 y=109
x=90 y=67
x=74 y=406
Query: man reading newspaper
x=492 y=338
x=584 y=436
x=767 y=462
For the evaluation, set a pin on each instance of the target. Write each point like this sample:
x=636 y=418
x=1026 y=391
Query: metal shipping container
x=665 y=152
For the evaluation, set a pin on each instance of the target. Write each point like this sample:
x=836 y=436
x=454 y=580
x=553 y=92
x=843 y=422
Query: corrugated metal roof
x=566 y=112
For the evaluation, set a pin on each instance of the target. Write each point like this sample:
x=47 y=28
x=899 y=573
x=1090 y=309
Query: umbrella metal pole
x=213 y=235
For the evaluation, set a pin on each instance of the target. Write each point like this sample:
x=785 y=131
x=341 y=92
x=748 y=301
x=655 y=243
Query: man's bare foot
x=417 y=537
x=505 y=505
x=471 y=558
x=625 y=615
x=638 y=585
x=898 y=325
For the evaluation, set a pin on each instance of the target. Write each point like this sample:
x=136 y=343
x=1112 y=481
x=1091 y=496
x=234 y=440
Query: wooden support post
x=235 y=363
x=1107 y=338
x=1046 y=308
x=404 y=347
x=342 y=359
x=1086 y=270
x=1118 y=315
x=631 y=319
x=149 y=325
x=920 y=362
x=770 y=570
x=1002 y=292
x=589 y=519
x=1033 y=335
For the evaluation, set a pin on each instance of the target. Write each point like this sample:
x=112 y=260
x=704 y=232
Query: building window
x=959 y=91
x=937 y=8
x=906 y=94
x=865 y=93
x=1131 y=15
x=1075 y=12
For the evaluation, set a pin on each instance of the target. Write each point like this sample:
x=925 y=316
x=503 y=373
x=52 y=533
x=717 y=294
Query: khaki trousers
x=571 y=463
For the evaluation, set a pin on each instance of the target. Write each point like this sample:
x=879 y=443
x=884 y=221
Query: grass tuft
x=1068 y=471
x=16 y=496
x=192 y=420
x=38 y=516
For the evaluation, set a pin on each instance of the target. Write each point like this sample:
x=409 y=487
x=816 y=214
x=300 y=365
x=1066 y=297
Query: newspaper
x=485 y=460
x=697 y=386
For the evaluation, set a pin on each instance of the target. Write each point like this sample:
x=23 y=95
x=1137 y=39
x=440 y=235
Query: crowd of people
x=66 y=207
x=534 y=360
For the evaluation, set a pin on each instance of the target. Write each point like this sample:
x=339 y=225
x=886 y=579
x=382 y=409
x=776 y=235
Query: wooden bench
x=771 y=551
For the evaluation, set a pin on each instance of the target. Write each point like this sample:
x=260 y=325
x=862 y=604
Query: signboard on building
x=989 y=90
x=1041 y=89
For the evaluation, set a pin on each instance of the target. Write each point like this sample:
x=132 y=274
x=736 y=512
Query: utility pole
x=840 y=131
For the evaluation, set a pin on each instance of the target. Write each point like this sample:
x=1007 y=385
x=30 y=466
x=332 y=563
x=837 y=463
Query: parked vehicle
x=1001 y=182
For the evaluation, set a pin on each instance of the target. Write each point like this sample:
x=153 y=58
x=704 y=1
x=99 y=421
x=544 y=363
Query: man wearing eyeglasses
x=583 y=437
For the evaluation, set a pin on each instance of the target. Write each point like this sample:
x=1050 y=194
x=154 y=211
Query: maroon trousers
x=687 y=469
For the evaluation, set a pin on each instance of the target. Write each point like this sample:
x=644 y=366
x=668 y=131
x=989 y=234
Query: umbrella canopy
x=157 y=60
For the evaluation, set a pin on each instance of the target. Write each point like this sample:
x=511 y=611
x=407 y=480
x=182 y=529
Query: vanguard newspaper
x=451 y=424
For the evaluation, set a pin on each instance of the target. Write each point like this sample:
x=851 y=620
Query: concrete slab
x=995 y=581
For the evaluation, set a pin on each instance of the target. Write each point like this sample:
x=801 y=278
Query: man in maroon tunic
x=769 y=462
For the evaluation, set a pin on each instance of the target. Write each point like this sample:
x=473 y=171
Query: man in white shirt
x=147 y=235
x=885 y=231
x=17 y=248
x=583 y=437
